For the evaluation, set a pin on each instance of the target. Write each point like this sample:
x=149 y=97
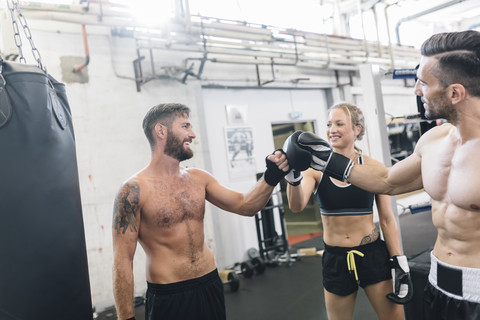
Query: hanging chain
x=14 y=6
x=17 y=37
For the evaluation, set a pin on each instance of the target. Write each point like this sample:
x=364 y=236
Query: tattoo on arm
x=126 y=207
x=371 y=237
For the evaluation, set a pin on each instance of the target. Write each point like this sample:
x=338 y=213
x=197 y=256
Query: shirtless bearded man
x=162 y=207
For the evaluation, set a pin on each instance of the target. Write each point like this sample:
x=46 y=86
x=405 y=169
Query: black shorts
x=439 y=306
x=372 y=268
x=195 y=299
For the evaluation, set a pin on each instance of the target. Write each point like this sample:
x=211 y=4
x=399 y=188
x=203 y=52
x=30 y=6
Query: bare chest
x=171 y=203
x=451 y=174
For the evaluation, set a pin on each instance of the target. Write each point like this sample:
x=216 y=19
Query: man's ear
x=456 y=92
x=160 y=130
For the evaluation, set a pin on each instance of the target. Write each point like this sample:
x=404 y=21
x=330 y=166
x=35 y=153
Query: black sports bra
x=347 y=200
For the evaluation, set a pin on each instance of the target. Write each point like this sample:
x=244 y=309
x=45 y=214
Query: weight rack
x=273 y=247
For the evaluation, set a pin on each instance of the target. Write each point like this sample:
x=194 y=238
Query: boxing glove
x=273 y=175
x=298 y=159
x=402 y=283
x=294 y=177
x=323 y=158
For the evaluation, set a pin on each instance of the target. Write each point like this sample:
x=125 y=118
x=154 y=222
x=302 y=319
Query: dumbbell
x=258 y=265
x=230 y=279
x=245 y=268
x=256 y=260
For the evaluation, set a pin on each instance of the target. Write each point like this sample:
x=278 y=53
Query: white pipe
x=420 y=14
x=242 y=41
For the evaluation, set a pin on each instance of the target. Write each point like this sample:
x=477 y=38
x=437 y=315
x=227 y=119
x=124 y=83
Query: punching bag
x=43 y=260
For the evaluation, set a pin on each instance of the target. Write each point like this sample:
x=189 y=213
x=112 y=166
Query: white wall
x=107 y=115
x=235 y=234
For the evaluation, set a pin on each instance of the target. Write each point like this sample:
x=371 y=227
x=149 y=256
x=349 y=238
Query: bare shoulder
x=434 y=134
x=315 y=174
x=199 y=174
x=127 y=206
x=437 y=132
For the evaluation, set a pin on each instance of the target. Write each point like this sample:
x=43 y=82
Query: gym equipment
x=420 y=207
x=309 y=252
x=256 y=260
x=43 y=264
x=273 y=247
x=230 y=279
x=245 y=269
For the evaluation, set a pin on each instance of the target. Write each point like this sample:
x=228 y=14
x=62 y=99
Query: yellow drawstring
x=351 y=261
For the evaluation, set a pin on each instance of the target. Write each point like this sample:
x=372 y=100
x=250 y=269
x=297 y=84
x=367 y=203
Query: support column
x=374 y=112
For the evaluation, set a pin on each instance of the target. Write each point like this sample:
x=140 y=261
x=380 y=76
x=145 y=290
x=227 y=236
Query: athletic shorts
x=372 y=268
x=452 y=292
x=195 y=299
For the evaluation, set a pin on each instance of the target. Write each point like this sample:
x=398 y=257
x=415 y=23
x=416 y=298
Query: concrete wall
x=108 y=111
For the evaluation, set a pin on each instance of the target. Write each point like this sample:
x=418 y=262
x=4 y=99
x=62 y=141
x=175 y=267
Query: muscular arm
x=298 y=196
x=126 y=220
x=404 y=176
x=388 y=224
x=247 y=204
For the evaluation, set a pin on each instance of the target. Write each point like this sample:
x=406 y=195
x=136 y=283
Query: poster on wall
x=241 y=163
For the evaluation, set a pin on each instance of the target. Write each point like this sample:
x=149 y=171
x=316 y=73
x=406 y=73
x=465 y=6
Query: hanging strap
x=351 y=261
x=5 y=105
x=15 y=11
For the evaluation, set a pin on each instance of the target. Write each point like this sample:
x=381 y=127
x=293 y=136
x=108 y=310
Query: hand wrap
x=273 y=175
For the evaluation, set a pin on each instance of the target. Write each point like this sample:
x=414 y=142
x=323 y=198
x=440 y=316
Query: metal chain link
x=36 y=54
x=17 y=37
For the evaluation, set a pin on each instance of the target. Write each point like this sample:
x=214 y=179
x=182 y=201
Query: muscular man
x=162 y=207
x=446 y=164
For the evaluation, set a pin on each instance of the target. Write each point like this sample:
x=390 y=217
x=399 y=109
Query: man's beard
x=175 y=148
x=439 y=107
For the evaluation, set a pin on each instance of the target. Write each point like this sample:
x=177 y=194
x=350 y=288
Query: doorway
x=309 y=220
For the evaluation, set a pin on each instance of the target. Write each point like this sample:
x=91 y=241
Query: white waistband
x=470 y=280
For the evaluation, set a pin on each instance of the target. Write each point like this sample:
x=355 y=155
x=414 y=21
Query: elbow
x=295 y=209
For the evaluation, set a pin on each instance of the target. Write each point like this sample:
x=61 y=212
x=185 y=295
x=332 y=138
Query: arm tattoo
x=126 y=207
x=371 y=237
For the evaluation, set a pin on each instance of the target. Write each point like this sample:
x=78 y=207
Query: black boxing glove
x=298 y=159
x=294 y=177
x=402 y=282
x=273 y=175
x=323 y=158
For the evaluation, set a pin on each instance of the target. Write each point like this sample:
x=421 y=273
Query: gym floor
x=296 y=291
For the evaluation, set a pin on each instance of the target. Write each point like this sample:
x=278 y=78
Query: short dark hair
x=458 y=55
x=165 y=113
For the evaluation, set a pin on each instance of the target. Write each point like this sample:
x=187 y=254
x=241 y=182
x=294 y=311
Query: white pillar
x=374 y=112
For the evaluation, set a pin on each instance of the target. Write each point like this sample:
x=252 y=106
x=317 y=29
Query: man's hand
x=277 y=167
x=402 y=283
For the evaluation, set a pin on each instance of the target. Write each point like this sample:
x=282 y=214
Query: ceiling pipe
x=423 y=13
x=242 y=41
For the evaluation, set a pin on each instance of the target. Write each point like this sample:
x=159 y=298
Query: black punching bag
x=43 y=259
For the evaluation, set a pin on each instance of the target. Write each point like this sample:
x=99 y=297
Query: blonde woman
x=354 y=253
